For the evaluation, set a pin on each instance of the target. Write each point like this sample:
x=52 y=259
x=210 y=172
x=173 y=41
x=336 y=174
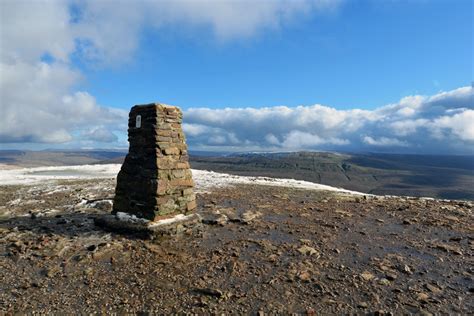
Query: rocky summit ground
x=262 y=249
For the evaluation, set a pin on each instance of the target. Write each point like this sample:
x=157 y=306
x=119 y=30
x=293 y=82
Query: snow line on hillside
x=204 y=180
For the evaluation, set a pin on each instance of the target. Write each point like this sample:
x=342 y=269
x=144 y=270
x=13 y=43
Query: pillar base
x=131 y=225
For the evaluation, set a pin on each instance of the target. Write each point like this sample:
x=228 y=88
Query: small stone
x=88 y=271
x=310 y=312
x=405 y=269
x=210 y=292
x=304 y=276
x=216 y=220
x=171 y=151
x=191 y=206
x=180 y=229
x=433 y=289
x=452 y=218
x=273 y=258
x=449 y=248
x=367 y=276
x=104 y=205
x=384 y=281
x=390 y=276
x=307 y=250
x=423 y=297
x=249 y=216
x=92 y=248
x=51 y=272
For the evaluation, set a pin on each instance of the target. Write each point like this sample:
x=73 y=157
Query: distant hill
x=450 y=177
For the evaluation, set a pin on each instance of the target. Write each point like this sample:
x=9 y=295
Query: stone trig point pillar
x=154 y=185
x=155 y=180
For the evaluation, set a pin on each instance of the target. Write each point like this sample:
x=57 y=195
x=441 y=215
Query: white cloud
x=230 y=19
x=460 y=125
x=383 y=141
x=29 y=29
x=407 y=127
x=303 y=140
x=195 y=129
x=37 y=105
x=39 y=98
x=99 y=134
x=217 y=140
x=437 y=124
x=110 y=30
x=272 y=139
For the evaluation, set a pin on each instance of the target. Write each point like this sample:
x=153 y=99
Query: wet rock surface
x=261 y=249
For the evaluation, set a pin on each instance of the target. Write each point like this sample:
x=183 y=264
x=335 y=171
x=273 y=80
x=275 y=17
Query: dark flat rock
x=147 y=229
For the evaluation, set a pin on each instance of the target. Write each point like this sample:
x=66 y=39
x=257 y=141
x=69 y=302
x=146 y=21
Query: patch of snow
x=206 y=180
x=104 y=201
x=41 y=213
x=82 y=203
x=136 y=220
x=58 y=189
x=31 y=176
x=14 y=202
x=171 y=220
x=130 y=218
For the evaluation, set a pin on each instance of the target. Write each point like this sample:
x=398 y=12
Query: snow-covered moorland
x=204 y=180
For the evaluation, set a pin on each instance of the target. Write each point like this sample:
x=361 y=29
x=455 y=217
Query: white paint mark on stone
x=138 y=121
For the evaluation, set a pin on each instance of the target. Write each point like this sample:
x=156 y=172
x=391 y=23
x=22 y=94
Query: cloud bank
x=39 y=101
x=442 y=124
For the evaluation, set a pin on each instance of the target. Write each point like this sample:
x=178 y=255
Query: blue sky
x=364 y=54
x=391 y=76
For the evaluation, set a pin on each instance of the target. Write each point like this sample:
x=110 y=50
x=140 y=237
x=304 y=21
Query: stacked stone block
x=155 y=180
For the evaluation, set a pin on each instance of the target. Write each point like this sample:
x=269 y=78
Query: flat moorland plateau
x=261 y=248
x=437 y=176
